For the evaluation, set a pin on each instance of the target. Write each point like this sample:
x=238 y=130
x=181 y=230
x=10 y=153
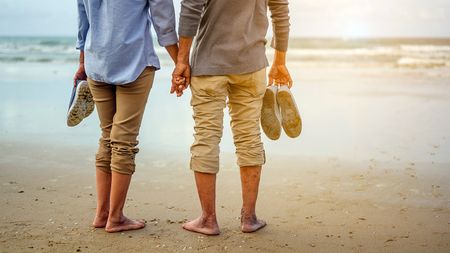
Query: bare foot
x=251 y=224
x=100 y=220
x=203 y=225
x=124 y=224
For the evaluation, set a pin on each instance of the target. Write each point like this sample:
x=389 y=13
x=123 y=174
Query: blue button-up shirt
x=116 y=40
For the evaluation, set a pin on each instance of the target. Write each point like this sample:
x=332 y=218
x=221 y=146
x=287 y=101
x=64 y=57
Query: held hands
x=279 y=75
x=181 y=78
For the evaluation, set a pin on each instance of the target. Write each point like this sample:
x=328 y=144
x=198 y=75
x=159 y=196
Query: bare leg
x=117 y=221
x=207 y=222
x=103 y=189
x=250 y=177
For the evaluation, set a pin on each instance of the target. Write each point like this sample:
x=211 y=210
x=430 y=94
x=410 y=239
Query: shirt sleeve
x=190 y=15
x=280 y=22
x=83 y=25
x=162 y=14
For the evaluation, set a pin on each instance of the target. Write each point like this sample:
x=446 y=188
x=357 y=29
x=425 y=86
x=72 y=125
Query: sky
x=309 y=18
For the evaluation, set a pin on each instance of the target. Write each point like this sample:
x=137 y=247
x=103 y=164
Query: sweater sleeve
x=190 y=15
x=280 y=22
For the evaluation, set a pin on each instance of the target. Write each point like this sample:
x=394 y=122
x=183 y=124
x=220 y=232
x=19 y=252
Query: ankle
x=247 y=215
x=208 y=216
x=208 y=219
x=102 y=212
x=115 y=217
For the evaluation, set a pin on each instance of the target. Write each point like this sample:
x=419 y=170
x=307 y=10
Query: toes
x=99 y=222
x=136 y=224
x=99 y=225
x=142 y=221
x=262 y=222
x=188 y=226
x=125 y=226
x=253 y=227
x=198 y=227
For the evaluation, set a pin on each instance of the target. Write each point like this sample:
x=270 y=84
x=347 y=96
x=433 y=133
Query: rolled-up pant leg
x=105 y=101
x=246 y=94
x=130 y=105
x=120 y=109
x=209 y=94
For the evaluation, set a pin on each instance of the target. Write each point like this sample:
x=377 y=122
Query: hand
x=181 y=78
x=280 y=75
x=80 y=74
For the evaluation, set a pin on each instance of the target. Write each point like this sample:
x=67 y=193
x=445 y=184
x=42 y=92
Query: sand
x=391 y=196
x=310 y=206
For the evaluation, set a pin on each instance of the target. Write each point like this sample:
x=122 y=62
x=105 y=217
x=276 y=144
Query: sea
x=36 y=83
x=386 y=52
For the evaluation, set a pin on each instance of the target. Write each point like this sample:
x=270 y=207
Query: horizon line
x=291 y=37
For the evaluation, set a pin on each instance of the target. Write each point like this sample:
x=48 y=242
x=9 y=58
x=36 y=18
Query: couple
x=118 y=60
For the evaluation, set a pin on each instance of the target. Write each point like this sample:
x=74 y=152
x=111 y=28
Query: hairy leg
x=250 y=177
x=207 y=222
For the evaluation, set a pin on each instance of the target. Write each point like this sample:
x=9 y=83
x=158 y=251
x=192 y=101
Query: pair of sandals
x=81 y=103
x=280 y=110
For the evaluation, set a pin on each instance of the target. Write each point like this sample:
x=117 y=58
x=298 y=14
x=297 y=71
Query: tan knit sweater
x=230 y=34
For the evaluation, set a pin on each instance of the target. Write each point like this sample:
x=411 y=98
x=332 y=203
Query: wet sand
x=369 y=174
x=310 y=205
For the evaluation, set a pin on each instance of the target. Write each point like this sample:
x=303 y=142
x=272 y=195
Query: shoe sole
x=269 y=121
x=82 y=107
x=291 y=121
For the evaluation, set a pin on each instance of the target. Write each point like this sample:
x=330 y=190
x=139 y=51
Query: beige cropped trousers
x=120 y=110
x=245 y=94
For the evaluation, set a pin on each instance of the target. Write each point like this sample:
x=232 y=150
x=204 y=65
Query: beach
x=369 y=173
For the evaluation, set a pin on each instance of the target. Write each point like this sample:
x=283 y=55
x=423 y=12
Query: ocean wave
x=360 y=53
x=408 y=56
x=41 y=50
x=58 y=49
x=422 y=63
x=330 y=52
x=425 y=48
x=42 y=59
x=403 y=50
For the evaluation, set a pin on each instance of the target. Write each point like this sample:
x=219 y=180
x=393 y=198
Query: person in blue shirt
x=118 y=60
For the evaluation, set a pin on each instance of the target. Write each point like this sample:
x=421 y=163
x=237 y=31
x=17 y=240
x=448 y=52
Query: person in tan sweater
x=229 y=62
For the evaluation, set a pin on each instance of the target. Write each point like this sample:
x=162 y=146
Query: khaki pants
x=120 y=109
x=209 y=94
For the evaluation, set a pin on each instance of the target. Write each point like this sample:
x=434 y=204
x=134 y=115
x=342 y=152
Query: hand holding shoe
x=279 y=74
x=81 y=73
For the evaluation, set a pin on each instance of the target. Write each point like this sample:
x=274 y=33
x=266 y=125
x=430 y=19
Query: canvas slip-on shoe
x=81 y=103
x=270 y=114
x=290 y=116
